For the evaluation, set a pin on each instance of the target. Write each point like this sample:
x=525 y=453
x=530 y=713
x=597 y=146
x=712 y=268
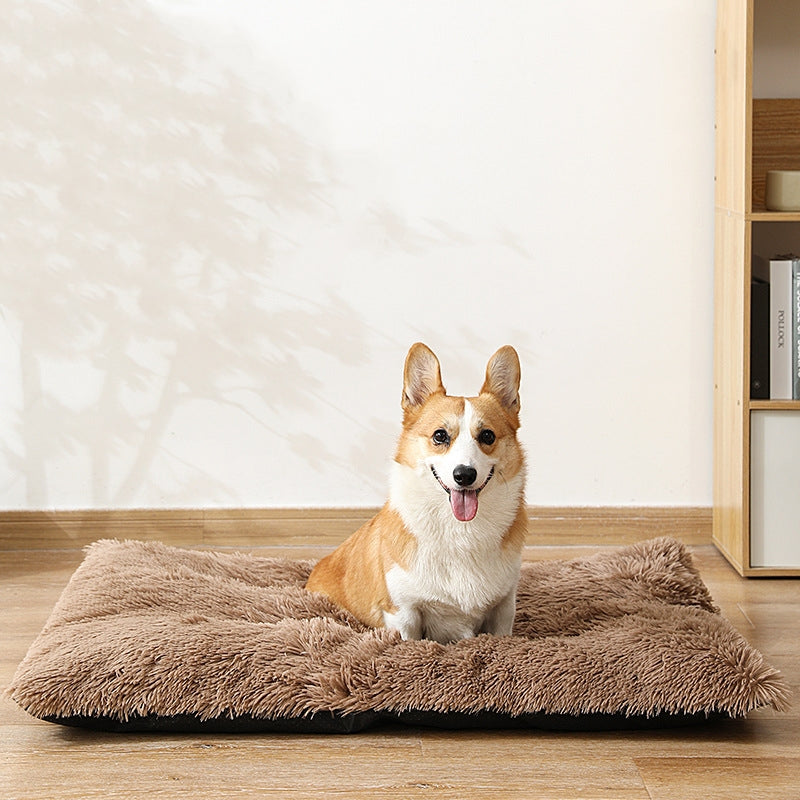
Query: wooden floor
x=755 y=758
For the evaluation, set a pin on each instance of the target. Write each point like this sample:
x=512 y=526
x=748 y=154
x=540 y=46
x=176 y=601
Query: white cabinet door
x=775 y=489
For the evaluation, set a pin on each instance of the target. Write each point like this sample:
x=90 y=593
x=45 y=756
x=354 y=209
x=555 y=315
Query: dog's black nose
x=464 y=475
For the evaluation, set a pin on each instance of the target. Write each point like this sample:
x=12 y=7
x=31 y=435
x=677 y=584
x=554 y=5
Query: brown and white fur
x=441 y=559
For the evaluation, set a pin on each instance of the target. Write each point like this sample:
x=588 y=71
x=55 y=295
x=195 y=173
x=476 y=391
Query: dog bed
x=147 y=637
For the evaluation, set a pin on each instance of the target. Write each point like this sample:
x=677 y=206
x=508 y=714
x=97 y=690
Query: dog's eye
x=486 y=436
x=440 y=436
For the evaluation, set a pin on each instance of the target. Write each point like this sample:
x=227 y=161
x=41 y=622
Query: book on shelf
x=796 y=329
x=759 y=339
x=775 y=328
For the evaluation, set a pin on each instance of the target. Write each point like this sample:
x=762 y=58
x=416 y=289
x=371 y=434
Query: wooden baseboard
x=617 y=525
x=548 y=526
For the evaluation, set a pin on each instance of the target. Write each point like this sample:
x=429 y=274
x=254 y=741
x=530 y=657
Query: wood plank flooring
x=755 y=758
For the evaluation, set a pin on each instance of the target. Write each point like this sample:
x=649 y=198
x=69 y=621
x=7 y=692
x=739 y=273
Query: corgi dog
x=441 y=559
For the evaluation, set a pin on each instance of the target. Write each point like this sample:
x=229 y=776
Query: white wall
x=223 y=224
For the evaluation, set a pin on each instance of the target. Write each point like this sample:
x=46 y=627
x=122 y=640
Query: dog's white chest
x=453 y=586
x=472 y=581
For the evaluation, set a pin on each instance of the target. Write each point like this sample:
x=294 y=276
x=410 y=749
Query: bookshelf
x=757 y=129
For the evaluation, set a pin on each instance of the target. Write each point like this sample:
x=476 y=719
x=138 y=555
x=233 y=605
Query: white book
x=796 y=329
x=780 y=329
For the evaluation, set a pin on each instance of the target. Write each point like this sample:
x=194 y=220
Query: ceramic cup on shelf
x=783 y=190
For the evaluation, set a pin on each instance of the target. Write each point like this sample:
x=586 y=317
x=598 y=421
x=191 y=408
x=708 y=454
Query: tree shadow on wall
x=142 y=193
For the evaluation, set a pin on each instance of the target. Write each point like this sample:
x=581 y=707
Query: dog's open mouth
x=463 y=502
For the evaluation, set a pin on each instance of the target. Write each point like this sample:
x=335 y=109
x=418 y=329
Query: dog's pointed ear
x=502 y=378
x=421 y=376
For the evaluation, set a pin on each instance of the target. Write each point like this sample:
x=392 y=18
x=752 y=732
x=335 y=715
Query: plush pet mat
x=150 y=637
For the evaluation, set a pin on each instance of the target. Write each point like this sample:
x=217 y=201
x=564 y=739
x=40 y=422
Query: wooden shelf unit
x=752 y=137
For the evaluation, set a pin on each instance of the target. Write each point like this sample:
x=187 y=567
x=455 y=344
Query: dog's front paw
x=406 y=621
x=500 y=619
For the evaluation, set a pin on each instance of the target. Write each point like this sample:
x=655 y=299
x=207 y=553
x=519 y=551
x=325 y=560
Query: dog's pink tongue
x=464 y=503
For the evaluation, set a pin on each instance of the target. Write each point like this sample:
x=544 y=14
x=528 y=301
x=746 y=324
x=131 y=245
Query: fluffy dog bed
x=150 y=637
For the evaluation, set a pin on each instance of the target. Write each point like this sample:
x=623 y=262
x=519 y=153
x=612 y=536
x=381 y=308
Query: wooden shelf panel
x=762 y=215
x=771 y=572
x=775 y=405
